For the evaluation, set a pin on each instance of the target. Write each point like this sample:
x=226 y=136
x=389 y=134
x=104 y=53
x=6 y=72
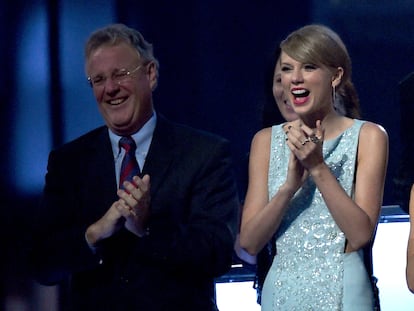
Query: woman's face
x=280 y=97
x=308 y=86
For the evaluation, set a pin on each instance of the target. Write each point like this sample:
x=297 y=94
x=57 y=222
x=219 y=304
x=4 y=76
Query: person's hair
x=348 y=99
x=116 y=34
x=320 y=45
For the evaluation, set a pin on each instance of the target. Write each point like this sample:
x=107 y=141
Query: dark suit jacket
x=193 y=223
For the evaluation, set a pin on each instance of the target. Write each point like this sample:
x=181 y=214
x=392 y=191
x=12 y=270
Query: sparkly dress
x=311 y=270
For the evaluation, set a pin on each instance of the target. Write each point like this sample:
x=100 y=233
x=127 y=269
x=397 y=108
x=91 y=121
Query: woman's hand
x=306 y=144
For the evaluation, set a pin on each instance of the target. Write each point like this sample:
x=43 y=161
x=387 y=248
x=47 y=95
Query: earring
x=333 y=94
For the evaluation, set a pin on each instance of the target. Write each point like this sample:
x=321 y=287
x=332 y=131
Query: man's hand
x=134 y=203
x=105 y=227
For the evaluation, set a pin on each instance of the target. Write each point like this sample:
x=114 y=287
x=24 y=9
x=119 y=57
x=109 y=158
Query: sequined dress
x=311 y=270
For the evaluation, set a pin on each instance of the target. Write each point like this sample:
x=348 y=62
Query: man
x=153 y=242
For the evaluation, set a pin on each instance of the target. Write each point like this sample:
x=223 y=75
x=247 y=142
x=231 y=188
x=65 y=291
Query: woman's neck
x=332 y=123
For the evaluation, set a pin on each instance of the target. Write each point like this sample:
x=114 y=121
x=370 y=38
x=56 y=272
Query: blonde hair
x=319 y=45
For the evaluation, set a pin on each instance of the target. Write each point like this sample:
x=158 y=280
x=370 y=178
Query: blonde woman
x=316 y=183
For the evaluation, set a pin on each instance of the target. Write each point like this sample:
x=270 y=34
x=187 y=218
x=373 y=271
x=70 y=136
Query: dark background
x=215 y=64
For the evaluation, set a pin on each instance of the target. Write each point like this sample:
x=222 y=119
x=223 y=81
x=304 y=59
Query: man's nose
x=110 y=85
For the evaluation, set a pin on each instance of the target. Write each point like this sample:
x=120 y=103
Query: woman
x=282 y=101
x=410 y=247
x=316 y=183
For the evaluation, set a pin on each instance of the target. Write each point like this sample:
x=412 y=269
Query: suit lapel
x=161 y=153
x=100 y=169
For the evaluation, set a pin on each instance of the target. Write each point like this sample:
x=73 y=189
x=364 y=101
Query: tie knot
x=127 y=143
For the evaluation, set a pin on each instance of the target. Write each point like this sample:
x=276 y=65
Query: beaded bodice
x=308 y=267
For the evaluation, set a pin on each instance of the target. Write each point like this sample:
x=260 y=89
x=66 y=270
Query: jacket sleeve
x=59 y=247
x=195 y=215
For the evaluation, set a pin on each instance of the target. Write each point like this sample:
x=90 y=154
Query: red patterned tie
x=129 y=166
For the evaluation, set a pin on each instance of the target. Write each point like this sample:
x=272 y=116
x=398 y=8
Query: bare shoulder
x=261 y=142
x=412 y=200
x=263 y=135
x=411 y=212
x=373 y=131
x=373 y=143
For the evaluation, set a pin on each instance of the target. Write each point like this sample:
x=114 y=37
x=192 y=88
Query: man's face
x=122 y=85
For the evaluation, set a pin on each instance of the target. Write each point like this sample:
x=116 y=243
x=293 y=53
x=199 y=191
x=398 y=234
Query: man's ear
x=153 y=75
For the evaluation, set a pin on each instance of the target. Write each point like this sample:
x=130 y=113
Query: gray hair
x=115 y=34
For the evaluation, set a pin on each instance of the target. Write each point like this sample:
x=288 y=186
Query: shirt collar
x=142 y=138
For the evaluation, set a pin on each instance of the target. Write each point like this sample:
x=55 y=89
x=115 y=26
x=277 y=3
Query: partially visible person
x=280 y=97
x=157 y=240
x=410 y=246
x=276 y=108
x=316 y=183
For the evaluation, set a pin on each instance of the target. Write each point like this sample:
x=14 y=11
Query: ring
x=314 y=139
x=305 y=141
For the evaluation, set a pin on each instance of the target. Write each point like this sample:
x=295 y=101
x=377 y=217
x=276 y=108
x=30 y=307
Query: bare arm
x=262 y=217
x=410 y=247
x=358 y=217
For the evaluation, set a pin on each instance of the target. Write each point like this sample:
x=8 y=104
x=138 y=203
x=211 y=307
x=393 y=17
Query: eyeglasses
x=118 y=76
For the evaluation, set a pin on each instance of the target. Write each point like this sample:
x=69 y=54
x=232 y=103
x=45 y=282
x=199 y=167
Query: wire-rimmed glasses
x=118 y=76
